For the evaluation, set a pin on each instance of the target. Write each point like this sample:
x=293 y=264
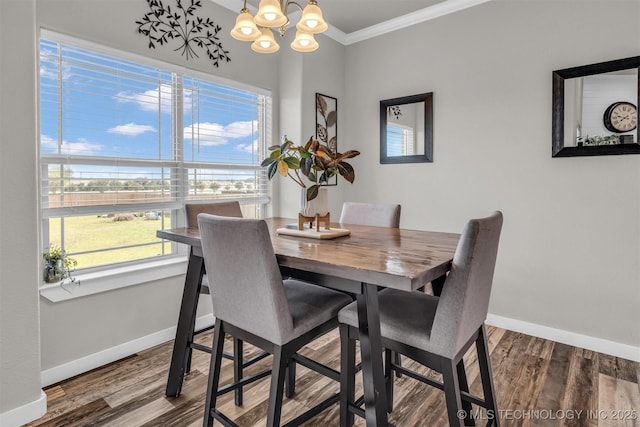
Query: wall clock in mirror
x=621 y=117
x=597 y=102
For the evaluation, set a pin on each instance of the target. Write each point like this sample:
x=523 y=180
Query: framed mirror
x=406 y=129
x=595 y=109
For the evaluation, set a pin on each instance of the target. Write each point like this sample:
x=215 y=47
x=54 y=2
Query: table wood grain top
x=389 y=257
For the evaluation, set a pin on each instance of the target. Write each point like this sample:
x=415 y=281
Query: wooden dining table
x=362 y=263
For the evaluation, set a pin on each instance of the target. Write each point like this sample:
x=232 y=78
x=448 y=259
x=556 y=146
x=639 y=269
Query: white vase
x=317 y=206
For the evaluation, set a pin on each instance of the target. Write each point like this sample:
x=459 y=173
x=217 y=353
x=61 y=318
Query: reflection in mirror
x=595 y=109
x=406 y=129
x=587 y=100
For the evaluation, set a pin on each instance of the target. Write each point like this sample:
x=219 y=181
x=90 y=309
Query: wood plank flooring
x=538 y=383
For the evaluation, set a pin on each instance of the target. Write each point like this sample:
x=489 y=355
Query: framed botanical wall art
x=327 y=125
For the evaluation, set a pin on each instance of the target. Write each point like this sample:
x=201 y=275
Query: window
x=400 y=140
x=124 y=144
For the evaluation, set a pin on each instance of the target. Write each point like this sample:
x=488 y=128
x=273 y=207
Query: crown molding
x=335 y=34
x=440 y=9
x=422 y=15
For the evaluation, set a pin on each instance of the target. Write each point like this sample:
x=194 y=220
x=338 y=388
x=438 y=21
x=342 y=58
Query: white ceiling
x=351 y=21
x=353 y=15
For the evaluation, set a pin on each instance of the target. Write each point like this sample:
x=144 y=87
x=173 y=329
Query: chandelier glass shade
x=304 y=42
x=311 y=20
x=270 y=14
x=273 y=14
x=265 y=43
x=245 y=29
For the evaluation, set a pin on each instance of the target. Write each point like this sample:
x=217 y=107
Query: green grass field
x=90 y=233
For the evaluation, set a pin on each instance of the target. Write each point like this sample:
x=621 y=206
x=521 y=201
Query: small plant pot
x=52 y=274
x=317 y=206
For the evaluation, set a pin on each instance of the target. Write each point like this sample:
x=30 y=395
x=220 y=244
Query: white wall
x=324 y=73
x=570 y=250
x=20 y=394
x=321 y=71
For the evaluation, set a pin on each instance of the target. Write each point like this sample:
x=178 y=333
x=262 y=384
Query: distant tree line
x=72 y=184
x=139 y=184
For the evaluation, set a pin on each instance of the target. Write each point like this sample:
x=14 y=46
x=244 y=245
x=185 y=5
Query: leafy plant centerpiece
x=315 y=161
x=57 y=265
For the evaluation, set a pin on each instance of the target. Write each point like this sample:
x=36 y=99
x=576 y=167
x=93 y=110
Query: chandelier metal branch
x=273 y=14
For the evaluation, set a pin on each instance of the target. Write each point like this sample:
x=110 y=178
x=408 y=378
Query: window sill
x=103 y=281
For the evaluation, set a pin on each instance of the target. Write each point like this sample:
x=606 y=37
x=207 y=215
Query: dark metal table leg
x=438 y=284
x=186 y=323
x=375 y=399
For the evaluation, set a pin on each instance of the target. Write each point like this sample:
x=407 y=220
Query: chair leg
x=278 y=373
x=485 y=375
x=347 y=376
x=452 y=392
x=388 y=376
x=290 y=384
x=214 y=373
x=237 y=368
x=187 y=364
x=397 y=360
x=464 y=386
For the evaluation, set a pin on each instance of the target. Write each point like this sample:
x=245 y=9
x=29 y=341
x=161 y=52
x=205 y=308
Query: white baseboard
x=87 y=363
x=95 y=360
x=600 y=345
x=25 y=413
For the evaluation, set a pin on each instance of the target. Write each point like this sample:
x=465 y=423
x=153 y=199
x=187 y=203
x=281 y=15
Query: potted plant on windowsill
x=313 y=162
x=57 y=265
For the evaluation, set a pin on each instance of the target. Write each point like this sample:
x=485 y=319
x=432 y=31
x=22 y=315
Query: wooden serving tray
x=292 y=230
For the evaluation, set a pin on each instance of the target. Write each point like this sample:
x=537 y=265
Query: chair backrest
x=464 y=301
x=247 y=283
x=215 y=208
x=380 y=215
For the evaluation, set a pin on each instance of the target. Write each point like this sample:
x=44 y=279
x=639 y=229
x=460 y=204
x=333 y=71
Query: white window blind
x=124 y=144
x=400 y=140
x=223 y=156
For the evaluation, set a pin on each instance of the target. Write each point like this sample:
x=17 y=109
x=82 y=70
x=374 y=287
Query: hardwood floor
x=538 y=383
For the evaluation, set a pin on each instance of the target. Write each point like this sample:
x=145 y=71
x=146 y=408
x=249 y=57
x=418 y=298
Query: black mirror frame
x=427 y=157
x=557 y=132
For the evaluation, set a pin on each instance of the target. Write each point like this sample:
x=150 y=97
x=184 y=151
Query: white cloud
x=131 y=129
x=209 y=134
x=241 y=129
x=249 y=148
x=150 y=99
x=49 y=66
x=82 y=146
x=206 y=133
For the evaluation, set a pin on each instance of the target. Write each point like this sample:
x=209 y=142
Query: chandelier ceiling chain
x=273 y=14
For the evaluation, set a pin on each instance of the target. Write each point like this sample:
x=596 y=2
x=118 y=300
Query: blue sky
x=127 y=113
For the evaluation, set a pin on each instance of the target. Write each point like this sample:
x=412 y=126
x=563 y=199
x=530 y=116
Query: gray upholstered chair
x=230 y=209
x=192 y=210
x=436 y=332
x=378 y=215
x=253 y=302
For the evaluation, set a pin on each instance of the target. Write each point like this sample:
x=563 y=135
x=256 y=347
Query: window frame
x=177 y=165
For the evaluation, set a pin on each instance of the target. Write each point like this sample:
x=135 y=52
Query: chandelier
x=273 y=14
